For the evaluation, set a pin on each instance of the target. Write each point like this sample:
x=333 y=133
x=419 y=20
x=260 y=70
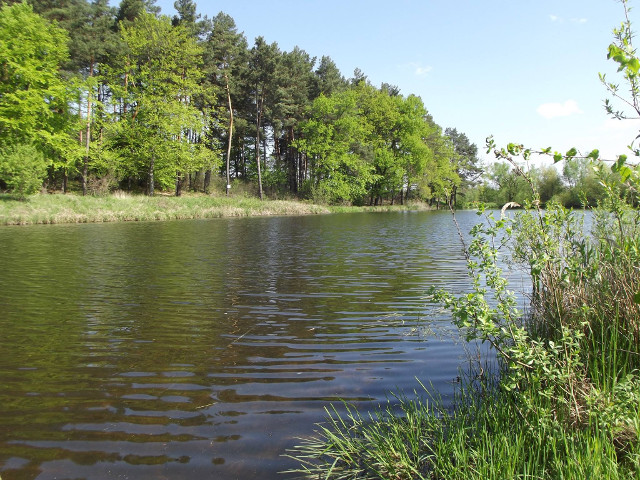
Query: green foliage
x=333 y=138
x=155 y=80
x=511 y=187
x=363 y=142
x=22 y=168
x=147 y=100
x=33 y=96
x=464 y=160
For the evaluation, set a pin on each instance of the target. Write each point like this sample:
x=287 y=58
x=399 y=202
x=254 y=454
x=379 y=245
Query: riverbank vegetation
x=96 y=99
x=121 y=207
x=564 y=402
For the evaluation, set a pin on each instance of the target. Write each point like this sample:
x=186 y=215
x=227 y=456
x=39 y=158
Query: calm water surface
x=203 y=349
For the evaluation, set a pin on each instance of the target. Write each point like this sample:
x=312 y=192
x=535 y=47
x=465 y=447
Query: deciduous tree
x=34 y=99
x=158 y=77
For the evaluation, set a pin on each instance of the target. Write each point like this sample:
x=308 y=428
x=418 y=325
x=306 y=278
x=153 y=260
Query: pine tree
x=226 y=57
x=93 y=43
x=188 y=17
x=465 y=160
x=329 y=80
x=295 y=82
x=263 y=64
x=129 y=10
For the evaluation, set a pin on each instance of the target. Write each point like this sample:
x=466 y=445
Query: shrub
x=23 y=168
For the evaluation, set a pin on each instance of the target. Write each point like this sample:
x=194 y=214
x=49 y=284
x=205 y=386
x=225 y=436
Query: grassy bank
x=413 y=206
x=120 y=207
x=42 y=209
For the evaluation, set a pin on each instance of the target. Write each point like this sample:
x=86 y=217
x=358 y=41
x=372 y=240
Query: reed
x=412 y=206
x=482 y=437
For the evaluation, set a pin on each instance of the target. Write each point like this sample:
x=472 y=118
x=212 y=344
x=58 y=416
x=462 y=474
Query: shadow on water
x=205 y=348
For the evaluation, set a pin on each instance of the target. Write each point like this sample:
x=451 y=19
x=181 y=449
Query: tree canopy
x=124 y=97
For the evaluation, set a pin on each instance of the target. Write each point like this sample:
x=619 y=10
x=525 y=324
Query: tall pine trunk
x=179 y=180
x=151 y=179
x=85 y=160
x=258 y=122
x=230 y=136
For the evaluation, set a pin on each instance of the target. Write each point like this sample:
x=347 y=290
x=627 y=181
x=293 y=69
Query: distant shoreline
x=65 y=209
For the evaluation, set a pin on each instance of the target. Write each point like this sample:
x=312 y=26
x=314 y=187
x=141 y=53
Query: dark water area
x=204 y=349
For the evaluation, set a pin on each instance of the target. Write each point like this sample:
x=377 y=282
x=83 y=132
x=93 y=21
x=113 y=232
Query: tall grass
x=120 y=207
x=414 y=206
x=483 y=437
x=123 y=207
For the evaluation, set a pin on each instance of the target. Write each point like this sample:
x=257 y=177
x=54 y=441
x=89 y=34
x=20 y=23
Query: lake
x=204 y=349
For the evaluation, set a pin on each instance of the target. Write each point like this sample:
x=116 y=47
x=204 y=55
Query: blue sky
x=523 y=71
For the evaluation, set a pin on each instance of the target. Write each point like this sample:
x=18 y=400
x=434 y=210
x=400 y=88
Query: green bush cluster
x=22 y=168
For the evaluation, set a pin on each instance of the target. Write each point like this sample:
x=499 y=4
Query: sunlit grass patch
x=45 y=209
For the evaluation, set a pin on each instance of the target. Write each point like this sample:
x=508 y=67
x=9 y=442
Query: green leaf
x=636 y=298
x=619 y=163
x=618 y=55
x=625 y=173
x=633 y=65
x=613 y=50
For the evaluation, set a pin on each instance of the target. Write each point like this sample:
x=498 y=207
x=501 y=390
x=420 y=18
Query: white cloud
x=418 y=68
x=552 y=110
x=420 y=71
x=557 y=19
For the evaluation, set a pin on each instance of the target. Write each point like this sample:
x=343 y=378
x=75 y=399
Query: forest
x=95 y=99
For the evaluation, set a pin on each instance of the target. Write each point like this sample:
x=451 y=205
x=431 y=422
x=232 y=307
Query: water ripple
x=201 y=349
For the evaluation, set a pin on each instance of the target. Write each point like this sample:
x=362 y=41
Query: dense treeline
x=96 y=98
x=576 y=184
